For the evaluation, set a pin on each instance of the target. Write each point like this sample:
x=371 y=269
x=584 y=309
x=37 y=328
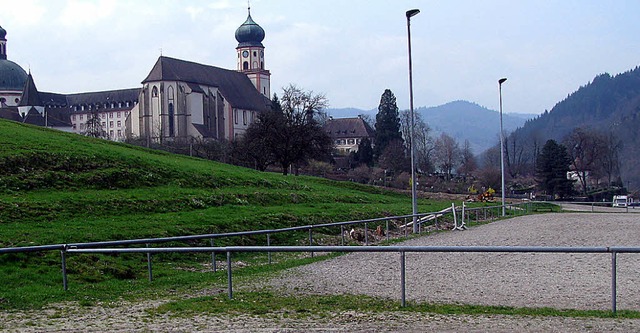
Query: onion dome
x=249 y=33
x=12 y=76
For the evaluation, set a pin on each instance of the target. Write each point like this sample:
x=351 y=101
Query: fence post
x=613 y=282
x=405 y=228
x=229 y=276
x=63 y=254
x=342 y=235
x=366 y=233
x=213 y=257
x=269 y=244
x=311 y=239
x=149 y=265
x=387 y=233
x=403 y=300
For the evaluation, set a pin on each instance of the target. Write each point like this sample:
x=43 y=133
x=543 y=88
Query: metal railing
x=396 y=249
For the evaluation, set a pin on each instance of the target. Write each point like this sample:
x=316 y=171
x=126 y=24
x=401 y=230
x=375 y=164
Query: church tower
x=251 y=55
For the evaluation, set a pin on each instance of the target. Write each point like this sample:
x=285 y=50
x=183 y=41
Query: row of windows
x=104 y=125
x=245 y=120
x=4 y=100
x=97 y=106
x=111 y=132
x=347 y=141
x=102 y=115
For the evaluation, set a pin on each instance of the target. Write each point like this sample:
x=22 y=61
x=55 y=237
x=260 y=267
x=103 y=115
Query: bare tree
x=584 y=147
x=447 y=154
x=609 y=159
x=468 y=163
x=515 y=154
x=424 y=142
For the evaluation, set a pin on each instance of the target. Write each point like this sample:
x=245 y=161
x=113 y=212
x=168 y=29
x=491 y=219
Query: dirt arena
x=573 y=281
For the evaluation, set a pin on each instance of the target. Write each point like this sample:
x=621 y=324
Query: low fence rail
x=395 y=249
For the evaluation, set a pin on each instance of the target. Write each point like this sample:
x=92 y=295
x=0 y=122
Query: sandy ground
x=577 y=281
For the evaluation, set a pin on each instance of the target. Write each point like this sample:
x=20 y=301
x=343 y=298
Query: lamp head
x=502 y=80
x=412 y=12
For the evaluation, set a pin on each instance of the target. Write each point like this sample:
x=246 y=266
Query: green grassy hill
x=63 y=188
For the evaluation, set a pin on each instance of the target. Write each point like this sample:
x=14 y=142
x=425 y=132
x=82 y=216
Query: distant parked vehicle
x=622 y=200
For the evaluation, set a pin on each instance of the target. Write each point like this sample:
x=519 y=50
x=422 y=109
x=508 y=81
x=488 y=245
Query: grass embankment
x=64 y=188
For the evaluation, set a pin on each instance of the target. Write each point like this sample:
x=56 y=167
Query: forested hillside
x=609 y=105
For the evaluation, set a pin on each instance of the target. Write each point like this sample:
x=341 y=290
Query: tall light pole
x=414 y=202
x=500 y=82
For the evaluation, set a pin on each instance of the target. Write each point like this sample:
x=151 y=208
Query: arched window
x=245 y=65
x=255 y=64
x=170 y=92
x=171 y=121
x=154 y=92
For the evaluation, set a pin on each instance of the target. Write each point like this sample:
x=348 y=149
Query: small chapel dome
x=3 y=33
x=249 y=33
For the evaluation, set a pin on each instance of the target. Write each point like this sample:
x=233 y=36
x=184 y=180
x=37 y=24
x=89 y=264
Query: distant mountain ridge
x=608 y=103
x=460 y=119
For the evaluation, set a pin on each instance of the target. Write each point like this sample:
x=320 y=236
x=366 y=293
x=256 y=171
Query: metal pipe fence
x=467 y=216
x=402 y=250
x=267 y=232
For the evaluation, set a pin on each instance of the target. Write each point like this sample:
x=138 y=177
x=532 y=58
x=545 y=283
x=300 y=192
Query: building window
x=81 y=117
x=119 y=114
x=351 y=141
x=111 y=124
x=119 y=124
x=235 y=116
x=73 y=117
x=104 y=116
x=245 y=65
x=119 y=133
x=111 y=115
x=154 y=92
x=104 y=124
x=111 y=133
x=74 y=127
x=244 y=117
x=171 y=120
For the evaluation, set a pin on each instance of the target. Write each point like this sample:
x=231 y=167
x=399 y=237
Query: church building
x=178 y=100
x=181 y=100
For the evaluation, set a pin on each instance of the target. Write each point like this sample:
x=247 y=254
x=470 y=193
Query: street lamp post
x=500 y=82
x=414 y=202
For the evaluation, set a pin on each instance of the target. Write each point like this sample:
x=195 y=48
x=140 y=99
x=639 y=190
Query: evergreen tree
x=365 y=152
x=551 y=170
x=387 y=123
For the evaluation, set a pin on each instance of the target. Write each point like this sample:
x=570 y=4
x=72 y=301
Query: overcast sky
x=349 y=50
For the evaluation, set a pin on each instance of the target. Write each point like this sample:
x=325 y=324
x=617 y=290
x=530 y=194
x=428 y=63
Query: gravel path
x=578 y=281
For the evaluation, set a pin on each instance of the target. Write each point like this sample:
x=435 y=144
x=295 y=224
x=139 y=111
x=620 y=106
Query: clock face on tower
x=245 y=53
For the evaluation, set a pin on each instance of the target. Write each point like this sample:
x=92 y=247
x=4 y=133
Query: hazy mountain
x=460 y=119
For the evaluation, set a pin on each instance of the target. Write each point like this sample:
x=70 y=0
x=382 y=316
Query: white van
x=621 y=200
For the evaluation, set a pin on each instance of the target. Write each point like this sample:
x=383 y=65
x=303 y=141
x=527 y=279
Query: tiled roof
x=348 y=128
x=100 y=97
x=235 y=86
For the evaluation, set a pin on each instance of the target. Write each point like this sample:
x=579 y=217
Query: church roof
x=348 y=128
x=234 y=86
x=30 y=94
x=99 y=97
